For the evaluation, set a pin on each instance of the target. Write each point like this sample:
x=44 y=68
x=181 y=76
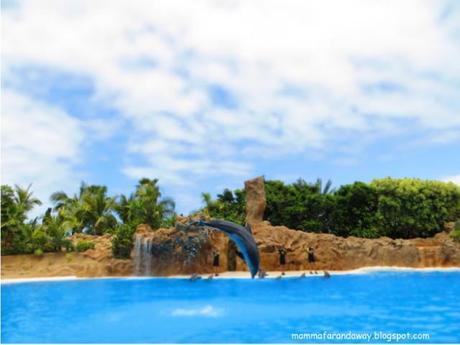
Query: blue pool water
x=234 y=310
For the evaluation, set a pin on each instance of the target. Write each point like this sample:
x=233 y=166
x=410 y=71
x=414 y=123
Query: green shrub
x=409 y=208
x=355 y=211
x=300 y=205
x=456 y=232
x=122 y=241
x=68 y=245
x=84 y=245
x=38 y=252
x=39 y=239
x=456 y=235
x=398 y=208
x=230 y=205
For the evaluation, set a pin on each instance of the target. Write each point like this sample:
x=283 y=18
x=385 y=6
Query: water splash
x=207 y=311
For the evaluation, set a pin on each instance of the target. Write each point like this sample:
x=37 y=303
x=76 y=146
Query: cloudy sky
x=205 y=94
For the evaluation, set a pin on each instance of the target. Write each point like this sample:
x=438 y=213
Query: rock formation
x=177 y=250
x=255 y=200
x=339 y=253
x=180 y=250
x=97 y=262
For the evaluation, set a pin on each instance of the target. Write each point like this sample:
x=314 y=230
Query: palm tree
x=145 y=206
x=24 y=200
x=90 y=210
x=16 y=203
x=98 y=210
x=208 y=202
x=327 y=187
x=153 y=209
x=55 y=228
x=123 y=207
x=69 y=209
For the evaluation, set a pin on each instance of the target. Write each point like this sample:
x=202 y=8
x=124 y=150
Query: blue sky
x=206 y=94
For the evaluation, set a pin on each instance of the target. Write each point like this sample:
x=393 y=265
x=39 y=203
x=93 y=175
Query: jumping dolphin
x=243 y=238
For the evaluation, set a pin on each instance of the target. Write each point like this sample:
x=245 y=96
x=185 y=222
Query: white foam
x=208 y=311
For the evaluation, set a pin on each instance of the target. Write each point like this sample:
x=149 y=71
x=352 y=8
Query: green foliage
x=146 y=206
x=39 y=239
x=456 y=235
x=410 y=208
x=398 y=208
x=300 y=205
x=38 y=252
x=122 y=241
x=15 y=230
x=456 y=232
x=91 y=210
x=68 y=245
x=228 y=205
x=84 y=245
x=53 y=227
x=355 y=211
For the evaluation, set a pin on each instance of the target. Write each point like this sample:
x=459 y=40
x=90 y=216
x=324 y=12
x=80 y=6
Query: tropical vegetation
x=229 y=205
x=398 y=208
x=91 y=210
x=84 y=245
x=456 y=232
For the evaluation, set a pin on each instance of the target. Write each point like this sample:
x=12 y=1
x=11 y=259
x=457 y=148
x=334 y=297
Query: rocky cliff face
x=338 y=253
x=178 y=252
x=255 y=200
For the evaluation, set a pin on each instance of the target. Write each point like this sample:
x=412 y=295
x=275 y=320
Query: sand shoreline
x=242 y=274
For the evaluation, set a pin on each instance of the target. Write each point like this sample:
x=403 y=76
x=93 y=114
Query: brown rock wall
x=181 y=251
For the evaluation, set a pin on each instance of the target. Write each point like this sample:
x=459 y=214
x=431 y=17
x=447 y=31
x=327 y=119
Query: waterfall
x=142 y=256
x=148 y=258
x=137 y=255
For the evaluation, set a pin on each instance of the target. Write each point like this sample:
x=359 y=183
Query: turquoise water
x=234 y=310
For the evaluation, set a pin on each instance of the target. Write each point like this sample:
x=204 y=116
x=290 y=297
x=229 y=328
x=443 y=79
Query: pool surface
x=290 y=310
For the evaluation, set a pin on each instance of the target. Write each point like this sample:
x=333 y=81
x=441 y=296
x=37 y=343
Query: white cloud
x=303 y=75
x=40 y=145
x=455 y=179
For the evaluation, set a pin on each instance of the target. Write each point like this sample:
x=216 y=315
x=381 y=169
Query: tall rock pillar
x=255 y=200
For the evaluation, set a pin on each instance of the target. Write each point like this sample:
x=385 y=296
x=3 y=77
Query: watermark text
x=378 y=336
